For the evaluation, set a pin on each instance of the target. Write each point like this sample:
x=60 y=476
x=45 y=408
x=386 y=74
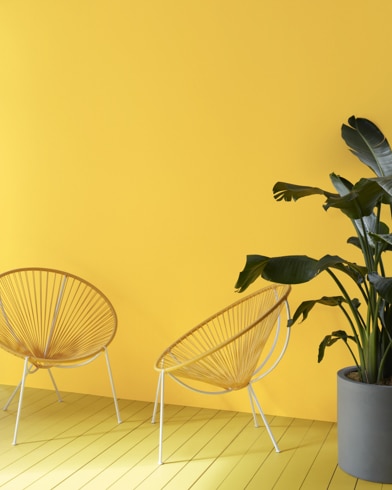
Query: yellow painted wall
x=139 y=143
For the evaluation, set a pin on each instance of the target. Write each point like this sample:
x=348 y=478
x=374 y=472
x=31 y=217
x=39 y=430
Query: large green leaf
x=305 y=307
x=253 y=270
x=342 y=185
x=360 y=201
x=385 y=184
x=354 y=270
x=293 y=269
x=355 y=203
x=369 y=144
x=384 y=239
x=331 y=339
x=283 y=191
x=383 y=285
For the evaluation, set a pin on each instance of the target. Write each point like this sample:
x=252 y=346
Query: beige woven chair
x=52 y=319
x=227 y=350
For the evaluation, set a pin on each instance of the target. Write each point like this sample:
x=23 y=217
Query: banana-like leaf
x=367 y=226
x=385 y=183
x=356 y=203
x=253 y=270
x=331 y=339
x=356 y=272
x=305 y=307
x=369 y=144
x=365 y=187
x=342 y=185
x=385 y=240
x=293 y=269
x=383 y=285
x=284 y=191
x=360 y=201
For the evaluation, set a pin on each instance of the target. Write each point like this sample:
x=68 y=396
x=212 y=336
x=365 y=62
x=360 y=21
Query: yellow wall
x=139 y=143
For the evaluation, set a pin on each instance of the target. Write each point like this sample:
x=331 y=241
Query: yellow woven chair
x=52 y=319
x=227 y=351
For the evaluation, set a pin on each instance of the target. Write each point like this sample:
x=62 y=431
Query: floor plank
x=303 y=457
x=324 y=464
x=242 y=457
x=272 y=467
x=207 y=445
x=137 y=460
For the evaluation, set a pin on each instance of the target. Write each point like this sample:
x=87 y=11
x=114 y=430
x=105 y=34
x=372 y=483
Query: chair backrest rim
x=57 y=271
x=77 y=278
x=208 y=352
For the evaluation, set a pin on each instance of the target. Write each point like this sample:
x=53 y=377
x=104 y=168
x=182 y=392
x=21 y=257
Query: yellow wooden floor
x=78 y=444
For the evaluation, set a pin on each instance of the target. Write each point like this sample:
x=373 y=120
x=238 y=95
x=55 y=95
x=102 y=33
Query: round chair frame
x=225 y=351
x=51 y=318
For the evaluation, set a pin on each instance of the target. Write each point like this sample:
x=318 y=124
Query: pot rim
x=342 y=374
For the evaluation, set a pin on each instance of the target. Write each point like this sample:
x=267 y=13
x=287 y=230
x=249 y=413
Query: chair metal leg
x=16 y=389
x=159 y=398
x=12 y=396
x=55 y=386
x=162 y=383
x=252 y=394
x=252 y=406
x=22 y=385
x=156 y=400
x=112 y=386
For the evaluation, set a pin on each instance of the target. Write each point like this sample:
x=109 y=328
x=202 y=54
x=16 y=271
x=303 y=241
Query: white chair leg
x=162 y=383
x=252 y=406
x=55 y=386
x=159 y=398
x=112 y=386
x=156 y=400
x=253 y=395
x=12 y=397
x=22 y=385
x=16 y=389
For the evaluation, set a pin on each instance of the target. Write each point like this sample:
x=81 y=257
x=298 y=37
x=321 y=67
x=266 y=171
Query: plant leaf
x=383 y=285
x=360 y=201
x=385 y=183
x=293 y=269
x=368 y=143
x=305 y=307
x=284 y=191
x=354 y=271
x=342 y=185
x=330 y=340
x=384 y=239
x=253 y=270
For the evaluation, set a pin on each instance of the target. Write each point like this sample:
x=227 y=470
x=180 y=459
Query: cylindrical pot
x=364 y=429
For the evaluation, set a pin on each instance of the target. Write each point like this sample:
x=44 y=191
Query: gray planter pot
x=364 y=429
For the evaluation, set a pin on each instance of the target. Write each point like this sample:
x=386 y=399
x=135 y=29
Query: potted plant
x=367 y=313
